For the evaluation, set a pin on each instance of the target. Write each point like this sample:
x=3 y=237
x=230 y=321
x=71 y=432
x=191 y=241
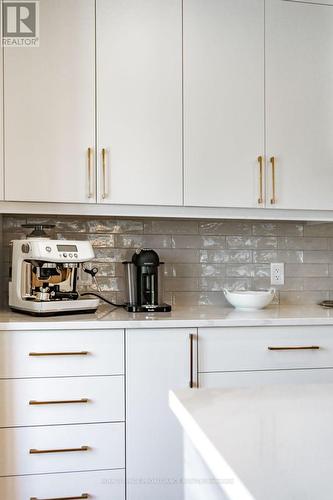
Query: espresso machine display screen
x=67 y=248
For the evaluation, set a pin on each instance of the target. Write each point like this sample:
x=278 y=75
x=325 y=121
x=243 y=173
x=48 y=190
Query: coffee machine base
x=51 y=313
x=148 y=308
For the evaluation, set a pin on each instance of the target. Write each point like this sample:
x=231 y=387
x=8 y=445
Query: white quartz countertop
x=273 y=442
x=190 y=317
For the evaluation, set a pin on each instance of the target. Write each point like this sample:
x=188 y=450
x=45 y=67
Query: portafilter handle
x=93 y=271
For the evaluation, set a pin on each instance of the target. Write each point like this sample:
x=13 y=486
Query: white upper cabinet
x=299 y=79
x=139 y=101
x=49 y=108
x=223 y=101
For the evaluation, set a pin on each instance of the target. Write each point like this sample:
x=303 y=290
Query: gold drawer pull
x=59 y=402
x=84 y=495
x=78 y=353
x=294 y=348
x=63 y=450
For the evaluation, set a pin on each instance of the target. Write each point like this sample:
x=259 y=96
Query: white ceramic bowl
x=250 y=300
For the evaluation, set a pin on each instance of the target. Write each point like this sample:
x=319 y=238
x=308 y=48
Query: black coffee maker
x=144 y=282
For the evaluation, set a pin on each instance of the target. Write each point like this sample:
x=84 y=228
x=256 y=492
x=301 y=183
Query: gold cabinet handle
x=105 y=193
x=58 y=402
x=90 y=173
x=33 y=451
x=191 y=382
x=74 y=353
x=84 y=495
x=273 y=199
x=294 y=348
x=261 y=198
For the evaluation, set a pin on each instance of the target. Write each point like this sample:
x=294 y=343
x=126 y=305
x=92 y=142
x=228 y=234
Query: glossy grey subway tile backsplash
x=202 y=256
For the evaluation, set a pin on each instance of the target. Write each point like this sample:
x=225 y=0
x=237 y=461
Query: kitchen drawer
x=243 y=379
x=61 y=353
x=235 y=349
x=43 y=401
x=105 y=445
x=103 y=485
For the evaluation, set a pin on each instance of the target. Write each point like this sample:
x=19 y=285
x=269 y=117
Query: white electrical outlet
x=277 y=273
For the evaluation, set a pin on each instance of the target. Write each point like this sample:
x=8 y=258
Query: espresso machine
x=44 y=275
x=144 y=282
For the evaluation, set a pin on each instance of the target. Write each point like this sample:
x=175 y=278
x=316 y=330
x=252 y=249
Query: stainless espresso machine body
x=44 y=274
x=144 y=282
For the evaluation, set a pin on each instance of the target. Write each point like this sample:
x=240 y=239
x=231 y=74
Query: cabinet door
x=223 y=101
x=253 y=378
x=99 y=485
x=49 y=108
x=157 y=361
x=139 y=95
x=299 y=66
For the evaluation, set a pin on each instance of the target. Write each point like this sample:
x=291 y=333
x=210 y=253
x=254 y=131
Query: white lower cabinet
x=156 y=361
x=265 y=348
x=61 y=353
x=70 y=442
x=70 y=400
x=62 y=417
x=40 y=450
x=101 y=485
x=243 y=379
x=242 y=356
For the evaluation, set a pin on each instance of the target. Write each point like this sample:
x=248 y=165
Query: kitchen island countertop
x=272 y=442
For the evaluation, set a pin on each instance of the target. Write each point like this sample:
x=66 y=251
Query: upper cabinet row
x=219 y=103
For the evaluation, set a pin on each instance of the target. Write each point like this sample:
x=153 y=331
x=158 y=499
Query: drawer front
x=244 y=379
x=100 y=446
x=46 y=401
x=104 y=485
x=61 y=353
x=234 y=349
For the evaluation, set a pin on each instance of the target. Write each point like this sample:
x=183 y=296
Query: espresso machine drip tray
x=148 y=308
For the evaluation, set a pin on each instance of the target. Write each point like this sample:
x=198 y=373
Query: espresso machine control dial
x=25 y=248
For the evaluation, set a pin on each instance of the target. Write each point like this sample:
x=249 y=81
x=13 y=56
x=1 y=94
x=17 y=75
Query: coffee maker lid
x=146 y=257
x=38 y=230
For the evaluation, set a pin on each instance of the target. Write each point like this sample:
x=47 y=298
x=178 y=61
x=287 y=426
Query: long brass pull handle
x=74 y=353
x=59 y=402
x=58 y=450
x=273 y=199
x=294 y=348
x=261 y=198
x=191 y=382
x=84 y=495
x=90 y=173
x=105 y=190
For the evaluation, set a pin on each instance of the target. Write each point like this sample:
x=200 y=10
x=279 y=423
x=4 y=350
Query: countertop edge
x=191 y=317
x=155 y=323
